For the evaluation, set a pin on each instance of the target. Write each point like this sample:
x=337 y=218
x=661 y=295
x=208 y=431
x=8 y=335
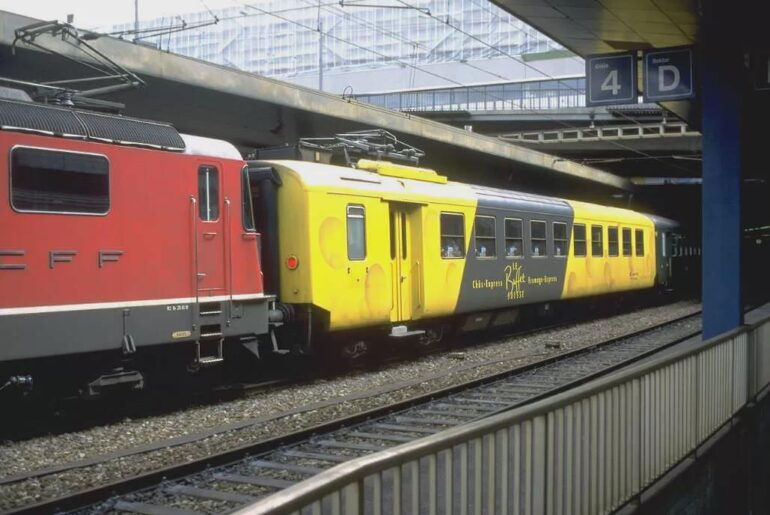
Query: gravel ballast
x=269 y=414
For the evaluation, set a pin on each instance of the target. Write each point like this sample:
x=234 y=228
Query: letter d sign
x=668 y=74
x=668 y=78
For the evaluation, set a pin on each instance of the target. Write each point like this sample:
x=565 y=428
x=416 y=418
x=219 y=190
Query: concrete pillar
x=723 y=84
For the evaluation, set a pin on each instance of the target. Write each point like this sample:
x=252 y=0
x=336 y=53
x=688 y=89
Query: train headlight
x=292 y=262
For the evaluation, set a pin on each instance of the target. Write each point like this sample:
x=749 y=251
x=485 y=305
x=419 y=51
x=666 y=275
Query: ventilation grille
x=60 y=121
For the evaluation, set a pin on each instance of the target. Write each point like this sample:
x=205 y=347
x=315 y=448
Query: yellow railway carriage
x=610 y=251
x=401 y=249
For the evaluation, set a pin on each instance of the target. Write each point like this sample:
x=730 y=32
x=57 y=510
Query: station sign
x=668 y=74
x=611 y=79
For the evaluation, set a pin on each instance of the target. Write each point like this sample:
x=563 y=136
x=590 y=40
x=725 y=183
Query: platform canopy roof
x=602 y=26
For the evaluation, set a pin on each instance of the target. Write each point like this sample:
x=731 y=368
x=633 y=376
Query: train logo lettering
x=514 y=278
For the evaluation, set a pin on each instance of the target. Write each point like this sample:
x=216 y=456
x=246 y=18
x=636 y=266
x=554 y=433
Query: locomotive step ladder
x=211 y=343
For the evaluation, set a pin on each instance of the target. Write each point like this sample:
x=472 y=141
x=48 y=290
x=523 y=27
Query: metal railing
x=588 y=450
x=511 y=96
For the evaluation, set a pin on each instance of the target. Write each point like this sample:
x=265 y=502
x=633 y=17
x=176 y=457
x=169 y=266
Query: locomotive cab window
x=579 y=237
x=51 y=181
x=538 y=238
x=626 y=241
x=356 y=225
x=514 y=238
x=612 y=240
x=485 y=237
x=639 y=242
x=597 y=241
x=560 y=239
x=452 y=235
x=208 y=193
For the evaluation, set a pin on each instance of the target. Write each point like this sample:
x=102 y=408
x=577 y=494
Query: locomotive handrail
x=229 y=249
x=194 y=232
x=603 y=442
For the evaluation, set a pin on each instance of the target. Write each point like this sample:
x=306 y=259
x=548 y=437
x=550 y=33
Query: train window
x=51 y=181
x=247 y=211
x=612 y=241
x=579 y=237
x=486 y=242
x=514 y=238
x=537 y=231
x=452 y=235
x=208 y=193
x=639 y=242
x=597 y=240
x=560 y=239
x=626 y=241
x=356 y=232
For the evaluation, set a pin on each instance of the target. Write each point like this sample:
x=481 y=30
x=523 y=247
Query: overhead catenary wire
x=397 y=36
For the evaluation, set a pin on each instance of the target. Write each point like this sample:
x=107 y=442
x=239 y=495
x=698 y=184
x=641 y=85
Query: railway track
x=225 y=482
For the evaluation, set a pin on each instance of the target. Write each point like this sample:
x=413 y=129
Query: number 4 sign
x=611 y=79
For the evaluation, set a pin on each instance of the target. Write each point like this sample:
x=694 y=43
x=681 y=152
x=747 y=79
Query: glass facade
x=280 y=38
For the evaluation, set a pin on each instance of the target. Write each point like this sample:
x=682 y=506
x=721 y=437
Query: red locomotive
x=120 y=235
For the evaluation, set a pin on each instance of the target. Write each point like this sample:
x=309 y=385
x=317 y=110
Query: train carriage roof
x=318 y=176
x=518 y=201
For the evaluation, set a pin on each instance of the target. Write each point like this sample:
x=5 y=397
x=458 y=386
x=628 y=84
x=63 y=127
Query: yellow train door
x=404 y=261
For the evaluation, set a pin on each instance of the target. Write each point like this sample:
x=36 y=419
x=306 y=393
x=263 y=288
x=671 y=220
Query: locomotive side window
x=248 y=212
x=579 y=237
x=626 y=241
x=485 y=237
x=514 y=238
x=208 y=193
x=597 y=241
x=51 y=181
x=560 y=239
x=356 y=232
x=452 y=235
x=612 y=240
x=639 y=242
x=538 y=234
